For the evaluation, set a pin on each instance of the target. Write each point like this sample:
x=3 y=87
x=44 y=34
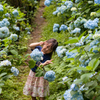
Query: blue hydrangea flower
x=7 y=15
x=36 y=55
x=4 y=32
x=81 y=42
x=15 y=13
x=13 y=37
x=77 y=1
x=47 y=3
x=91 y=24
x=97 y=1
x=55 y=27
x=75 y=96
x=4 y=22
x=79 y=21
x=87 y=61
x=63 y=27
x=1 y=8
x=60 y=51
x=49 y=76
x=76 y=30
x=82 y=88
x=28 y=32
x=69 y=4
x=16 y=28
x=15 y=71
x=5 y=63
x=71 y=54
x=28 y=29
x=55 y=12
x=74 y=87
x=61 y=10
x=95 y=50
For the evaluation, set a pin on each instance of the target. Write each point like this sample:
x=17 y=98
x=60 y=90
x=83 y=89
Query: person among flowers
x=38 y=86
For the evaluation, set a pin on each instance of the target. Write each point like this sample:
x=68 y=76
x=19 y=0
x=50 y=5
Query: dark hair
x=54 y=44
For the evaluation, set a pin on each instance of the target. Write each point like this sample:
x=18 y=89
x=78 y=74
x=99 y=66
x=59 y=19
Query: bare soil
x=39 y=21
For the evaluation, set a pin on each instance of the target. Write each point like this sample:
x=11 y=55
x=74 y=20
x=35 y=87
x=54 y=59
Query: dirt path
x=39 y=21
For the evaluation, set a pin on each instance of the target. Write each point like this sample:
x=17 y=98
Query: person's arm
x=46 y=63
x=33 y=45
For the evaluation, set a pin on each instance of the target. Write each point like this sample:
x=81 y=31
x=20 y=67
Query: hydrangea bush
x=82 y=58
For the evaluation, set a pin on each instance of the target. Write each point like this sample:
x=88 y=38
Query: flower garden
x=75 y=72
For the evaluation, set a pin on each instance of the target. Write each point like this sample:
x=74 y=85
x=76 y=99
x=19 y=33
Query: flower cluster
x=15 y=71
x=16 y=28
x=96 y=35
x=5 y=63
x=49 y=76
x=1 y=7
x=7 y=15
x=77 y=1
x=36 y=55
x=97 y=1
x=74 y=93
x=69 y=4
x=55 y=27
x=4 y=22
x=90 y=2
x=70 y=54
x=2 y=53
x=28 y=29
x=81 y=42
x=47 y=3
x=4 y=32
x=79 y=21
x=15 y=13
x=63 y=27
x=91 y=24
x=73 y=9
x=76 y=30
x=60 y=51
x=93 y=45
x=61 y=10
x=73 y=96
x=13 y=37
x=93 y=13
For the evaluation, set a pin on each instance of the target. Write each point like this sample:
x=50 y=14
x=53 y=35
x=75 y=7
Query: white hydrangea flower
x=96 y=36
x=93 y=13
x=5 y=63
x=73 y=9
x=90 y=2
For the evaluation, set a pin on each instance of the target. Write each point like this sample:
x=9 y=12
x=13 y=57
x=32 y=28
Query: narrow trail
x=39 y=21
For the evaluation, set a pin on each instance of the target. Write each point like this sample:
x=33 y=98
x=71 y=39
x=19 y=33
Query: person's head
x=50 y=46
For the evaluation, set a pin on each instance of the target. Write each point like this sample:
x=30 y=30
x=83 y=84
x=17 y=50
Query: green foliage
x=72 y=67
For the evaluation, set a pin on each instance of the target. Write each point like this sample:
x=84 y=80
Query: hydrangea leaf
x=2 y=74
x=94 y=63
x=14 y=52
x=80 y=68
x=85 y=77
x=31 y=63
x=39 y=72
x=0 y=90
x=82 y=35
x=72 y=40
